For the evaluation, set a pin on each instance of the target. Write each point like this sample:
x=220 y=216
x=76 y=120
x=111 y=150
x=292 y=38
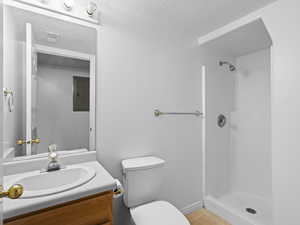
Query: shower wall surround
x=250 y=122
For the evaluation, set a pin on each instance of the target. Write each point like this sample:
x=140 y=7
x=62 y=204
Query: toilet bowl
x=158 y=212
x=142 y=179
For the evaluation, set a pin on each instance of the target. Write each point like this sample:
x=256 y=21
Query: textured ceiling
x=192 y=18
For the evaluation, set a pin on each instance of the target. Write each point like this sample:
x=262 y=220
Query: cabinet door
x=94 y=210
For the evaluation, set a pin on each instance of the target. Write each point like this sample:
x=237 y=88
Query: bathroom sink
x=38 y=184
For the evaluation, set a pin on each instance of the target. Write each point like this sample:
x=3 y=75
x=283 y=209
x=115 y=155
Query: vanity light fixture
x=44 y=1
x=91 y=8
x=68 y=4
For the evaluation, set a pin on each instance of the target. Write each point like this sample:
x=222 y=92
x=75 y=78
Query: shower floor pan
x=241 y=209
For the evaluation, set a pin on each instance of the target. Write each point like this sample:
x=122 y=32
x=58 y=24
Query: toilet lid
x=158 y=213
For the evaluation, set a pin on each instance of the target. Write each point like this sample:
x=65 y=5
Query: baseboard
x=192 y=207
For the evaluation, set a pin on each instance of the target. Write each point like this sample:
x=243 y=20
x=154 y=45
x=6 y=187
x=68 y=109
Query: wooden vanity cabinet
x=92 y=210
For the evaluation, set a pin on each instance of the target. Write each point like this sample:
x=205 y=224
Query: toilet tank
x=142 y=179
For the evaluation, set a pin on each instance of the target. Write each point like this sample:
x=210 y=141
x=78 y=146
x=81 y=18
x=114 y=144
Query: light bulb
x=69 y=4
x=91 y=8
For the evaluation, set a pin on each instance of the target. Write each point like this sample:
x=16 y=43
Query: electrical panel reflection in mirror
x=81 y=94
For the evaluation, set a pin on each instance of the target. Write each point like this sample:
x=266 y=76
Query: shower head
x=231 y=66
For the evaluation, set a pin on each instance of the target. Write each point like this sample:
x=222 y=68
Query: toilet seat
x=158 y=213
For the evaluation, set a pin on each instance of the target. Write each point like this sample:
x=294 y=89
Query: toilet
x=142 y=179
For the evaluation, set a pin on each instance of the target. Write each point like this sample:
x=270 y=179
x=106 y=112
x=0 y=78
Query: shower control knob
x=222 y=120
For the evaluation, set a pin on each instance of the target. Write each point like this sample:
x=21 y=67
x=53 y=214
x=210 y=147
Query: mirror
x=49 y=80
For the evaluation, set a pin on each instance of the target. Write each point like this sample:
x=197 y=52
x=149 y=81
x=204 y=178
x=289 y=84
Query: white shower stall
x=237 y=163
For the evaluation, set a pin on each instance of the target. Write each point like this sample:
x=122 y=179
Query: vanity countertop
x=102 y=182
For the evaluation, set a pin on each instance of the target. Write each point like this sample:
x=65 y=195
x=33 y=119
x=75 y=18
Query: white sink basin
x=38 y=184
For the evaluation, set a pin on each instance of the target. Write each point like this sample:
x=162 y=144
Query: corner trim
x=192 y=207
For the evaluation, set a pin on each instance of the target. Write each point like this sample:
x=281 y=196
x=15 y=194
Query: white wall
x=56 y=121
x=250 y=159
x=136 y=76
x=282 y=20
